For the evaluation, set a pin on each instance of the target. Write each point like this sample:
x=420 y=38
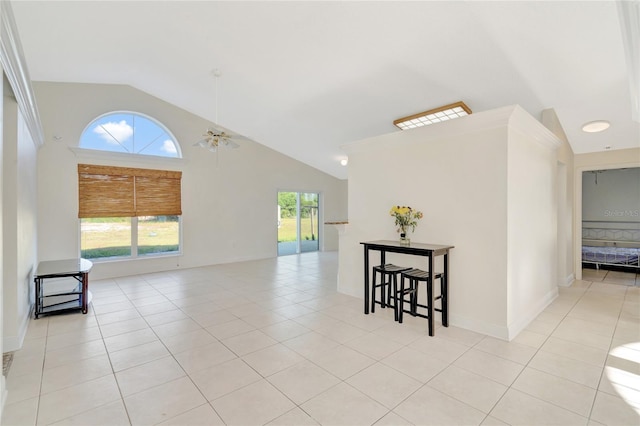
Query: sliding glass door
x=298 y=228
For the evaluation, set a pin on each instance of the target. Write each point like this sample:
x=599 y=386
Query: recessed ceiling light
x=436 y=115
x=344 y=161
x=596 y=126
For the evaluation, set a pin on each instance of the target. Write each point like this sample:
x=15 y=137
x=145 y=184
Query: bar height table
x=418 y=249
x=75 y=297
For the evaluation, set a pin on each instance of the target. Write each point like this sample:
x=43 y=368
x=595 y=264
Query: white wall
x=19 y=224
x=565 y=183
x=3 y=385
x=229 y=204
x=532 y=222
x=458 y=174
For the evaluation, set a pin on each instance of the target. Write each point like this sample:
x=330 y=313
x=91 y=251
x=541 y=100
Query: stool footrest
x=415 y=314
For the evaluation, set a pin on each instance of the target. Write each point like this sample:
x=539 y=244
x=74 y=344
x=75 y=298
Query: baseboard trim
x=567 y=281
x=14 y=343
x=4 y=393
x=493 y=330
x=516 y=327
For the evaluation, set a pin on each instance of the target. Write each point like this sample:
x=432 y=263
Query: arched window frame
x=88 y=128
x=116 y=159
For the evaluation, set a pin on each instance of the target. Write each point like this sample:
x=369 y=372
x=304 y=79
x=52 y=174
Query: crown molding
x=523 y=123
x=15 y=68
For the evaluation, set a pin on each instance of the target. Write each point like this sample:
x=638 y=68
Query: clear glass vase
x=404 y=239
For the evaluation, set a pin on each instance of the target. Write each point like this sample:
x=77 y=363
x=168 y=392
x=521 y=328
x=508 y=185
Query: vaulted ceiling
x=305 y=78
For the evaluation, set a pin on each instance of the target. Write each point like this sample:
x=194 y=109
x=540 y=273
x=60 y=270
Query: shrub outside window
x=158 y=235
x=111 y=237
x=104 y=237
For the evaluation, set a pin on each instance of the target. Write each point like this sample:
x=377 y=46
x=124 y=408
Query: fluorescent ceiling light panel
x=436 y=115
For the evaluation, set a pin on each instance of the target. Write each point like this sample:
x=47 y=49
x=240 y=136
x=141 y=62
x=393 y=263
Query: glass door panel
x=287 y=223
x=298 y=226
x=308 y=222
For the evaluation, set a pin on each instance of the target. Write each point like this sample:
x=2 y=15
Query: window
x=111 y=237
x=128 y=212
x=129 y=132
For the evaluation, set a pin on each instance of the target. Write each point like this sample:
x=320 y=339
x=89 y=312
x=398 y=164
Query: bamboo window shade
x=107 y=191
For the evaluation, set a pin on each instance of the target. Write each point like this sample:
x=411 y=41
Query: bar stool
x=416 y=276
x=388 y=276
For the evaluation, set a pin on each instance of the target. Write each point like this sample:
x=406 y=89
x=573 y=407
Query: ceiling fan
x=216 y=137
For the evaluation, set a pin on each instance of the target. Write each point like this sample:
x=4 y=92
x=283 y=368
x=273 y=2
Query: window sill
x=122 y=158
x=131 y=259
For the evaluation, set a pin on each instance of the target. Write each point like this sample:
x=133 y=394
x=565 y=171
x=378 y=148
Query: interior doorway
x=298 y=217
x=610 y=226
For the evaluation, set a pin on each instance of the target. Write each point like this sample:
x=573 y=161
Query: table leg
x=366 y=280
x=445 y=292
x=430 y=295
x=85 y=288
x=38 y=306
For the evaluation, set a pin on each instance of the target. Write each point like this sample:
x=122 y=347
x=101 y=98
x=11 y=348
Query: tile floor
x=272 y=342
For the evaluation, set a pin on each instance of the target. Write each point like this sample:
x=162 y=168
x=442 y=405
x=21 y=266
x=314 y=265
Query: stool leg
x=383 y=287
x=373 y=292
x=444 y=291
x=395 y=297
x=414 y=296
x=400 y=301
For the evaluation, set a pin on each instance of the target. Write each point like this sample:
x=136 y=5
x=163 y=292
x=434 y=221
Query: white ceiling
x=305 y=78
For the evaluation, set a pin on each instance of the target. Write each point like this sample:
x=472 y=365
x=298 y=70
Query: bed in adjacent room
x=611 y=256
x=611 y=249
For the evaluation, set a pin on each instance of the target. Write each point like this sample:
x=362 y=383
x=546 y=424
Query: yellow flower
x=405 y=217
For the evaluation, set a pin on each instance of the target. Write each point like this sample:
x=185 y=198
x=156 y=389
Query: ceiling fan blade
x=229 y=143
x=202 y=143
x=238 y=137
x=226 y=134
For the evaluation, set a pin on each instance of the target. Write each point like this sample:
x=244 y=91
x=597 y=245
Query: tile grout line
x=342 y=321
x=529 y=361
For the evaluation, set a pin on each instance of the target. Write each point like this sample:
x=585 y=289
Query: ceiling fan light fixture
x=202 y=143
x=215 y=136
x=596 y=126
x=432 y=116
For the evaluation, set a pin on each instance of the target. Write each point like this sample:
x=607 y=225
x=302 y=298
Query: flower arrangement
x=405 y=217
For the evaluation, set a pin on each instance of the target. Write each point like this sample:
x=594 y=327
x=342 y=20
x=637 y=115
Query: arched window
x=107 y=230
x=130 y=132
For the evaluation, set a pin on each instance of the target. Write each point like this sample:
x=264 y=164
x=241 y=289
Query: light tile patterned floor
x=272 y=342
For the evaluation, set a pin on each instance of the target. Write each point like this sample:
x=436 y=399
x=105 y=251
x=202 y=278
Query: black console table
x=62 y=296
x=418 y=249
